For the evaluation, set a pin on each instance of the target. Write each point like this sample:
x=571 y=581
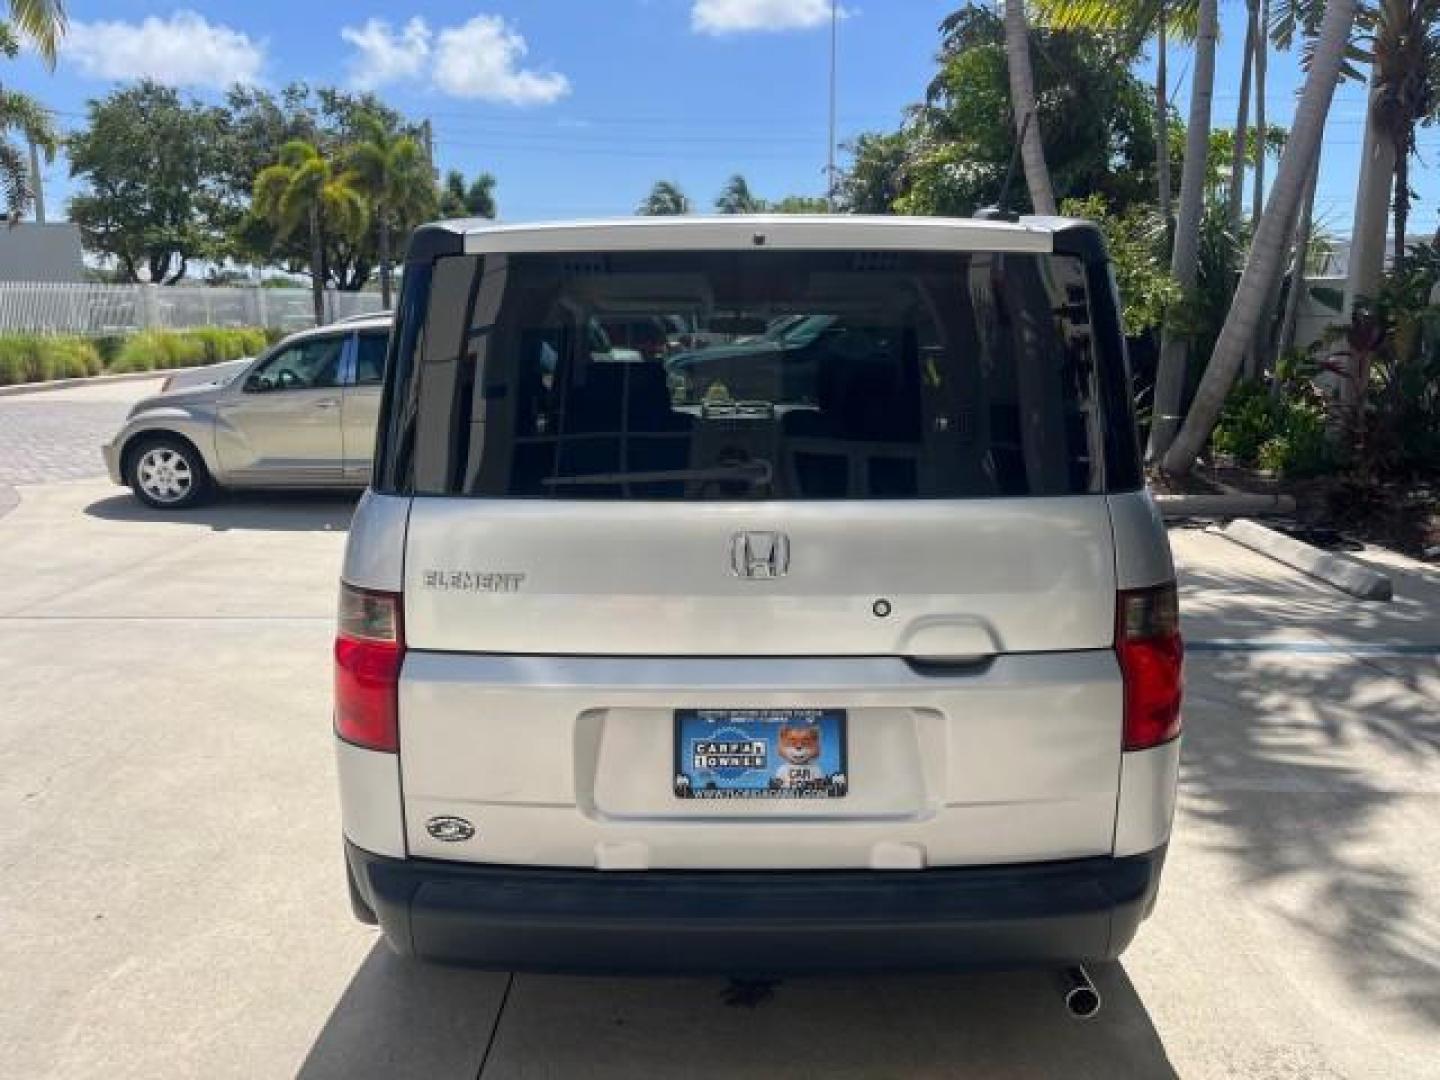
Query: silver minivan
x=837 y=633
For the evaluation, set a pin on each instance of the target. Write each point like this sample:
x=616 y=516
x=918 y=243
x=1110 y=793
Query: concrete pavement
x=172 y=903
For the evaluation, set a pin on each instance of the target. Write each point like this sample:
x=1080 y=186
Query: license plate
x=760 y=754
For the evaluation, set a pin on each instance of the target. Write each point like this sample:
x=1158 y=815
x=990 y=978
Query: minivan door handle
x=327 y=403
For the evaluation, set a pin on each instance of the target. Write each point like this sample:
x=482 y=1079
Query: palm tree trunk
x=1372 y=207
x=1267 y=250
x=1262 y=55
x=1184 y=259
x=1022 y=101
x=1162 y=120
x=1291 y=317
x=1235 y=197
x=317 y=266
x=383 y=243
x=1372 y=216
x=1402 y=196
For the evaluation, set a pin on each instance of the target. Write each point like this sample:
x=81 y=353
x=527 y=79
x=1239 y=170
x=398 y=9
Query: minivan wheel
x=167 y=474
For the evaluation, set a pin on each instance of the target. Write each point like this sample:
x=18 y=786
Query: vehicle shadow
x=266 y=511
x=398 y=1018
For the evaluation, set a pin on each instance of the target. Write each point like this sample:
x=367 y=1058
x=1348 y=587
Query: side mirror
x=254 y=384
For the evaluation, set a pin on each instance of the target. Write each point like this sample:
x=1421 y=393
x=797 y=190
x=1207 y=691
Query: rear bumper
x=761 y=922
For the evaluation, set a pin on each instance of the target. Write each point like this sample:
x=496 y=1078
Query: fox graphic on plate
x=799 y=750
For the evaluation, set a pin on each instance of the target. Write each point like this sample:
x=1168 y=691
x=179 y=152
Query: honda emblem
x=760 y=554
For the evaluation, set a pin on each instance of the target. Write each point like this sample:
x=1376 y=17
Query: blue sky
x=579 y=105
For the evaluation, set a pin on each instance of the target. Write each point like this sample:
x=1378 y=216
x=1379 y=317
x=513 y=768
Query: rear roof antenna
x=998 y=210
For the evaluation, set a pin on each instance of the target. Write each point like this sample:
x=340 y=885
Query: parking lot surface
x=56 y=435
x=172 y=902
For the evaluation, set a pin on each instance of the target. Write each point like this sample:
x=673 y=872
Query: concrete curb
x=1223 y=504
x=93 y=380
x=1337 y=571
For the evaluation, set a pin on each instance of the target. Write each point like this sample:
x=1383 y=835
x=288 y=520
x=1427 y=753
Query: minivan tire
x=167 y=473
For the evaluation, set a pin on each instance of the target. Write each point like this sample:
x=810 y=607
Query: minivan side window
x=752 y=375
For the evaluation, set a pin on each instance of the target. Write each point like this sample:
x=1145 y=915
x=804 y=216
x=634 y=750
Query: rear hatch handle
x=941 y=667
x=949 y=645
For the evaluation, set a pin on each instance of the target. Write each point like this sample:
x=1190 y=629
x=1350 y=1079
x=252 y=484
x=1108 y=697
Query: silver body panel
x=322 y=437
x=557 y=759
x=963 y=578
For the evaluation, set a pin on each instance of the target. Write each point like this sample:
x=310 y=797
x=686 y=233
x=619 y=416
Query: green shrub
x=228 y=343
x=1289 y=436
x=38 y=357
x=1302 y=447
x=151 y=350
x=1249 y=420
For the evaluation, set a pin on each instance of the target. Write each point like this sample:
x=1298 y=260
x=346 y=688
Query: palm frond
x=298 y=153
x=1136 y=18
x=42 y=21
x=344 y=208
x=22 y=113
x=269 y=188
x=14 y=182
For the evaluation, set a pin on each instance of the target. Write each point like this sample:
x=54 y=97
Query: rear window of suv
x=750 y=375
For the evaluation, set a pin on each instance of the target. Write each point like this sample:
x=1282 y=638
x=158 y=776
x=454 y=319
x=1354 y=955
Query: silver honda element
x=825 y=625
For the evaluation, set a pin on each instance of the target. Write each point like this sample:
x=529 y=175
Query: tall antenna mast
x=830 y=160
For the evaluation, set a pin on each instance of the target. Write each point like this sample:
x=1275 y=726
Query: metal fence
x=53 y=308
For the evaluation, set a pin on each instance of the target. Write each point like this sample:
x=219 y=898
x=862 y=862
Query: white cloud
x=481 y=58
x=740 y=16
x=183 y=50
x=384 y=55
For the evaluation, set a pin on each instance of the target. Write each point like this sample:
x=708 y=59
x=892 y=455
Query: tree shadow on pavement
x=402 y=1018
x=1307 y=768
x=268 y=511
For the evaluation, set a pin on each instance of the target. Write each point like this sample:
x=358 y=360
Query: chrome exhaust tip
x=1082 y=999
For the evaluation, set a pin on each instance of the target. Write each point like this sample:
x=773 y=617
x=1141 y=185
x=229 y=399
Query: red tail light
x=369 y=648
x=1147 y=641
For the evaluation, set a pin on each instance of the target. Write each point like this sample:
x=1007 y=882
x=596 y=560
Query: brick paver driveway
x=56 y=434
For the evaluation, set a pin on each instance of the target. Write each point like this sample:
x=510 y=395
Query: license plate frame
x=736 y=754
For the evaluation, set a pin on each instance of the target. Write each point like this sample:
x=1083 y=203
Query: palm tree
x=394 y=174
x=477 y=200
x=1022 y=104
x=1235 y=195
x=1135 y=21
x=23 y=115
x=665 y=199
x=737 y=198
x=1407 y=64
x=1272 y=237
x=42 y=21
x=304 y=187
x=1398 y=37
x=1170 y=373
x=1260 y=60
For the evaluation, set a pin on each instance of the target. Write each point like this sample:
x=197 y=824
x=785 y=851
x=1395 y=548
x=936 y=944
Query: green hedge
x=151 y=350
x=37 y=357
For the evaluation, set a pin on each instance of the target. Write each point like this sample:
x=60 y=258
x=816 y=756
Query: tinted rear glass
x=748 y=375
